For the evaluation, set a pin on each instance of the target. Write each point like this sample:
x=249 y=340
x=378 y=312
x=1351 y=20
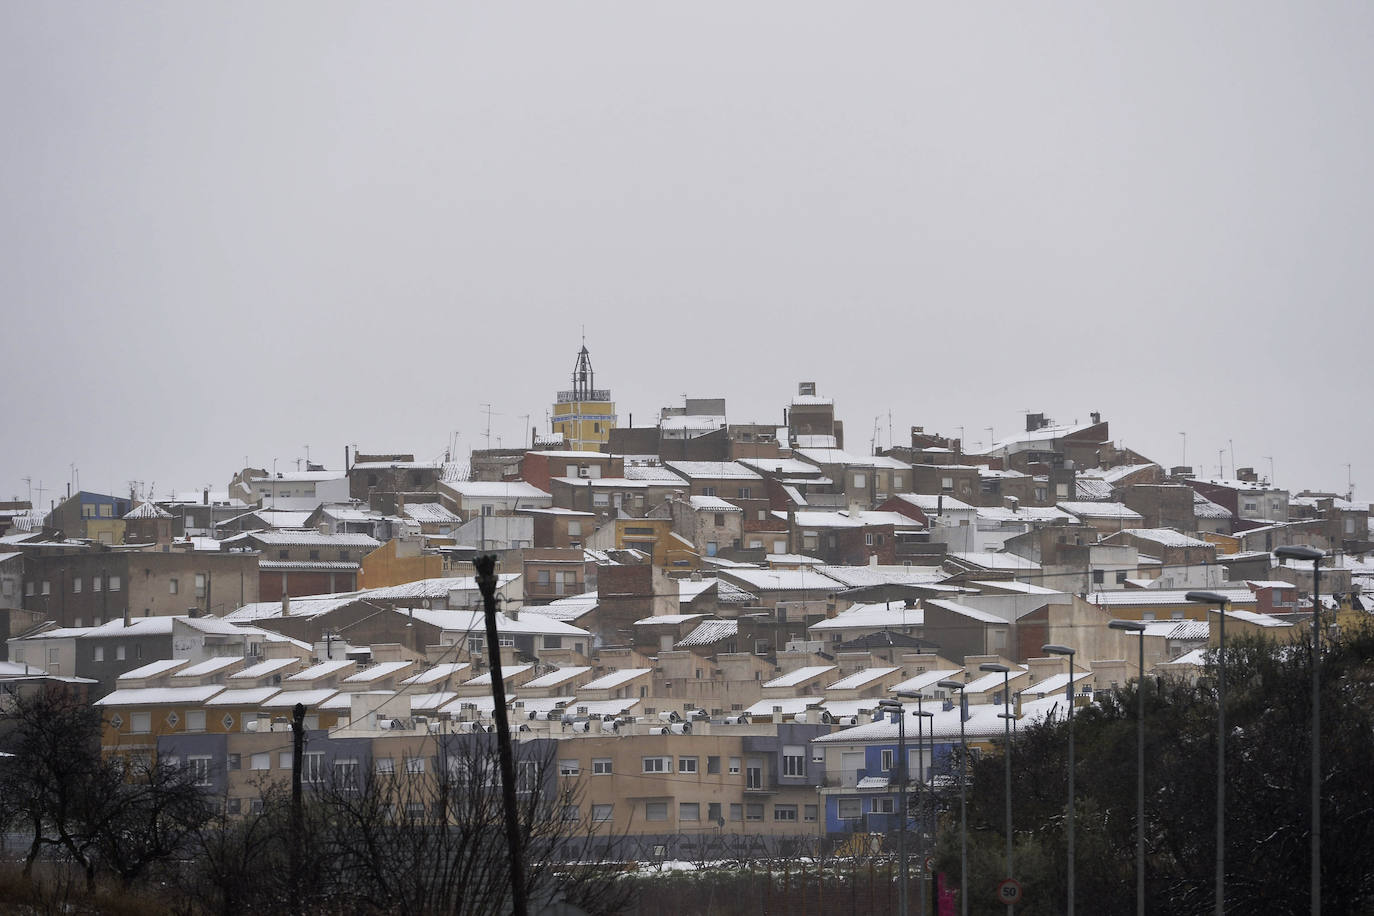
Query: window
x=753 y=812
x=195 y=720
x=568 y=768
x=947 y=484
x=571 y=813
x=76 y=586
x=575 y=529
x=114 y=583
x=734 y=766
x=601 y=499
x=601 y=766
x=809 y=813
x=736 y=812
x=886 y=756
x=233 y=806
x=793 y=760
x=141 y=723
x=284 y=760
x=655 y=811
x=260 y=762
x=98 y=654
x=95 y=583
x=314 y=554
x=385 y=766
x=28 y=589
x=884 y=805
x=745 y=492
x=708 y=491
x=200 y=585
x=415 y=810
x=720 y=519
x=713 y=765
x=860 y=481
x=784 y=812
x=868 y=539
x=47 y=587
x=849 y=808
x=1120 y=577
x=119 y=653
x=200 y=770
x=658 y=764
x=235 y=762
x=346 y=772
x=602 y=813
x=312 y=767
x=107 y=511
x=283 y=554
x=172 y=586
x=753 y=774
x=415 y=765
x=1099 y=576
x=686 y=764
x=896 y=485
x=543 y=577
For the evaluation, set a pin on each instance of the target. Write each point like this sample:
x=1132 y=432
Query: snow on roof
x=1196 y=657
x=873 y=616
x=709 y=633
x=423 y=702
x=861 y=678
x=1089 y=489
x=1055 y=683
x=924 y=681
x=1256 y=619
x=1115 y=474
x=242 y=696
x=1135 y=596
x=614 y=679
x=436 y=673
x=1205 y=508
x=835 y=456
x=376 y=672
x=159 y=696
x=307 y=564
x=1231 y=484
x=323 y=669
x=712 y=504
x=430 y=513
x=771 y=580
x=791 y=559
x=1100 y=510
x=996 y=560
x=1022 y=588
x=799 y=676
x=1023 y=514
x=473 y=621
x=556 y=677
x=785 y=706
x=652 y=472
x=209 y=666
x=789 y=467
x=864 y=576
x=300 y=607
x=307 y=698
x=147 y=510
x=497 y=489
x=1044 y=434
x=565 y=609
x=600 y=708
x=154 y=669
x=666 y=619
x=983 y=721
x=484 y=680
x=265 y=668
x=933 y=503
x=964 y=610
x=304 y=538
x=713 y=470
x=1166 y=537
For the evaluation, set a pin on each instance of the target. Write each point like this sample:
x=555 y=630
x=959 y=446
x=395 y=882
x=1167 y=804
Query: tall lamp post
x=1220 y=602
x=1054 y=649
x=1138 y=628
x=921 y=716
x=1299 y=552
x=951 y=684
x=896 y=708
x=996 y=668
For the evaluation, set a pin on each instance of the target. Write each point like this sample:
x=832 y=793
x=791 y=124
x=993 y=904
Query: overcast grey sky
x=232 y=230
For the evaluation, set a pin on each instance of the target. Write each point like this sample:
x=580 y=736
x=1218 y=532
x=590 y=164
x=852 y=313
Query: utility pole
x=297 y=818
x=485 y=564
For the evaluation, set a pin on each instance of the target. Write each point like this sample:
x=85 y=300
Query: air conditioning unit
x=252 y=725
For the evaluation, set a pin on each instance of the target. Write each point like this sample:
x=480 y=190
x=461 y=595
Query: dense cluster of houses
x=699 y=618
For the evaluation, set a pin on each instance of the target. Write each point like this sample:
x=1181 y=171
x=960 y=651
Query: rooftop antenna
x=1270 y=459
x=1221 y=462
x=1232 y=443
x=1349 y=485
x=29 y=482
x=1184 y=462
x=991 y=438
x=487 y=409
x=526 y=418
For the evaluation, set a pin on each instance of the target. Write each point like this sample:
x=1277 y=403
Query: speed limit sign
x=1009 y=891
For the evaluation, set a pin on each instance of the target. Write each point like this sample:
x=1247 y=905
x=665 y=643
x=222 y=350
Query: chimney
x=285 y=605
x=126 y=616
x=205 y=497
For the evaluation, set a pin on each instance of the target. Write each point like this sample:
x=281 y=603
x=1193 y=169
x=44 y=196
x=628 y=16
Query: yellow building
x=584 y=415
x=397 y=562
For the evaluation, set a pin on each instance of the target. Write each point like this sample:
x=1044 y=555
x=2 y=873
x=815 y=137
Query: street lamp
x=1299 y=552
x=896 y=707
x=996 y=668
x=1054 y=649
x=1138 y=628
x=1220 y=602
x=921 y=715
x=951 y=684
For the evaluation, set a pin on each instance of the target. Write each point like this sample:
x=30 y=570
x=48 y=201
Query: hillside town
x=699 y=619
